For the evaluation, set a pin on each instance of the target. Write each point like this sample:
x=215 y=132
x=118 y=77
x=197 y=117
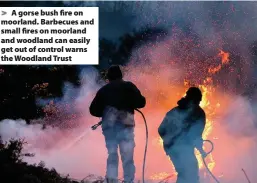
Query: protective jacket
x=183 y=125
x=119 y=96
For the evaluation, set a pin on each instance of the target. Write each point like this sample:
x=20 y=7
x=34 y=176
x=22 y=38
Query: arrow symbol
x=4 y=12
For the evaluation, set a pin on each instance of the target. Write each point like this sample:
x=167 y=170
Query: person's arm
x=198 y=130
x=97 y=106
x=167 y=129
x=137 y=98
x=162 y=128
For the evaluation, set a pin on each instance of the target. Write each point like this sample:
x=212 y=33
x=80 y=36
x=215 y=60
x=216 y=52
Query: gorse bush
x=14 y=170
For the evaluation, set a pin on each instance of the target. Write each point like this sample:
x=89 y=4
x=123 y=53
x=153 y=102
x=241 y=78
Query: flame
x=224 y=60
x=224 y=57
x=209 y=108
x=205 y=103
x=160 y=176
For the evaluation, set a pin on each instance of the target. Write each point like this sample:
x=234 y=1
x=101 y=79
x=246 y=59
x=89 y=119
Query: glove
x=203 y=153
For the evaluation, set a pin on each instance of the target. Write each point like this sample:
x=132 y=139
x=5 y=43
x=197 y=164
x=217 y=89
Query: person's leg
x=113 y=159
x=178 y=165
x=192 y=168
x=185 y=164
x=127 y=145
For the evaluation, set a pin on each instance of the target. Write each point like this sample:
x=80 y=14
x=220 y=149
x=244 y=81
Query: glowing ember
x=215 y=69
x=160 y=176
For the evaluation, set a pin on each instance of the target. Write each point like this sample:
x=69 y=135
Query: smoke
x=197 y=31
x=236 y=143
x=66 y=143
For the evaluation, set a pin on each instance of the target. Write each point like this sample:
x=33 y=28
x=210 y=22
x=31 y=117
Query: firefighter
x=115 y=103
x=181 y=131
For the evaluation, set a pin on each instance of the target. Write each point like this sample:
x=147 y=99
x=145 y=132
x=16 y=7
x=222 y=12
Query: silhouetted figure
x=115 y=103
x=181 y=131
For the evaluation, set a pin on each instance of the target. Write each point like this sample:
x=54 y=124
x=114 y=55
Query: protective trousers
x=123 y=137
x=185 y=163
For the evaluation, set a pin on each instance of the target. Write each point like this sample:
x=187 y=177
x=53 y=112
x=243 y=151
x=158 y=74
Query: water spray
x=77 y=140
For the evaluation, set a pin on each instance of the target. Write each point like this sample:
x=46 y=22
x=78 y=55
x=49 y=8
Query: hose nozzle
x=94 y=127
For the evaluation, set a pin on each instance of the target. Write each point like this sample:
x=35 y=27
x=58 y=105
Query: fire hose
x=146 y=143
x=204 y=162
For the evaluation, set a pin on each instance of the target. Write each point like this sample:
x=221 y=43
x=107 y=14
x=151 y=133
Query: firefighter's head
x=194 y=95
x=114 y=73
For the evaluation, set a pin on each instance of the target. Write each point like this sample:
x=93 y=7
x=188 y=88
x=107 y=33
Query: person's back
x=115 y=103
x=120 y=94
x=185 y=126
x=181 y=131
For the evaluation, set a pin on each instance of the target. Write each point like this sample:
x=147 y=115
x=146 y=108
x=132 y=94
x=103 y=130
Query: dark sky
x=234 y=22
x=203 y=18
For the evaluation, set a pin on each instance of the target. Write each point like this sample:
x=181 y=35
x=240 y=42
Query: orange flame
x=224 y=60
x=209 y=107
x=224 y=57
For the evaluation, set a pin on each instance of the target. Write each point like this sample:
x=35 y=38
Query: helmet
x=114 y=72
x=194 y=94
